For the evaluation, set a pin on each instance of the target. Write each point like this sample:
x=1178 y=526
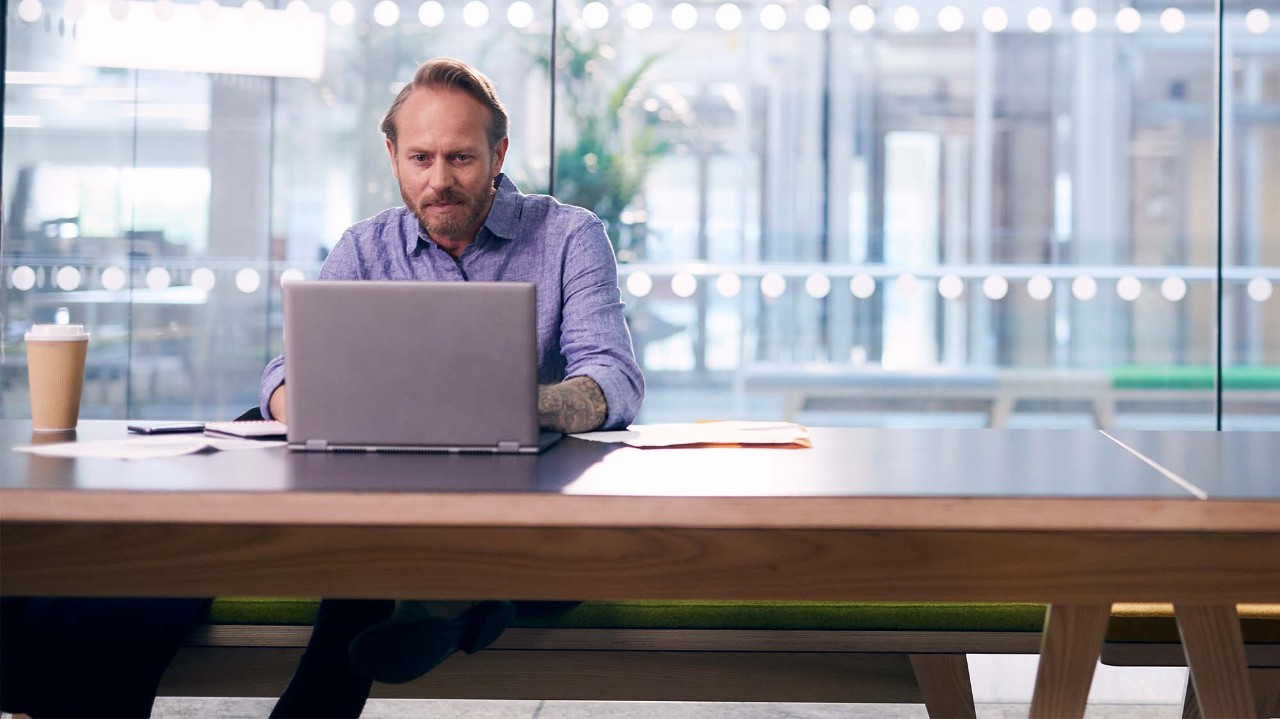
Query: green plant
x=603 y=165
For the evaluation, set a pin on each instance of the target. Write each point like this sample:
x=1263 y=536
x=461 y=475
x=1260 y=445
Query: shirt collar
x=503 y=219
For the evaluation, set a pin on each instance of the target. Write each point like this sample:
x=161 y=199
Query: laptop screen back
x=405 y=365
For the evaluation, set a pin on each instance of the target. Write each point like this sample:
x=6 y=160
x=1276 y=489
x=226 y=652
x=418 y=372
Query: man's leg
x=98 y=657
x=325 y=685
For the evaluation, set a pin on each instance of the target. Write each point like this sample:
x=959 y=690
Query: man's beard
x=464 y=217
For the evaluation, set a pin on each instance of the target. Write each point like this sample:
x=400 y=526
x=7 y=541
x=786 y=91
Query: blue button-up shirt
x=562 y=249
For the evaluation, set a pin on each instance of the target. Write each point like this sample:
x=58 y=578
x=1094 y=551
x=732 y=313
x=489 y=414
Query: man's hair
x=456 y=75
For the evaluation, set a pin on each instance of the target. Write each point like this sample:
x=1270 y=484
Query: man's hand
x=575 y=405
x=277 y=405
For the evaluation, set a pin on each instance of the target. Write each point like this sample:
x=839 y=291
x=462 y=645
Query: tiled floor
x=1001 y=686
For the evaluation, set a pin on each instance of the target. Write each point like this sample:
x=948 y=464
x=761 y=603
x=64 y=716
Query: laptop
x=386 y=366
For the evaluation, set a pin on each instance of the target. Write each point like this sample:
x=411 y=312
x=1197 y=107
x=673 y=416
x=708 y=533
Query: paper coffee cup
x=55 y=372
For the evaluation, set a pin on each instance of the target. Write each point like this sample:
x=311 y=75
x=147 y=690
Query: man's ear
x=499 y=154
x=391 y=151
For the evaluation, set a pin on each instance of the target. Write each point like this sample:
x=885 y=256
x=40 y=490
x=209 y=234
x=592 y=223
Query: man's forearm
x=277 y=404
x=575 y=405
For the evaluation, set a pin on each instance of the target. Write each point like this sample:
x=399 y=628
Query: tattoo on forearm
x=574 y=405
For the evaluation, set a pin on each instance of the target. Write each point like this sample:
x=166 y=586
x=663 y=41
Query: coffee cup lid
x=55 y=333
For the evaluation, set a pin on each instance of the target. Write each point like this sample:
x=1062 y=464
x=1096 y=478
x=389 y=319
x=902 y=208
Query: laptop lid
x=412 y=366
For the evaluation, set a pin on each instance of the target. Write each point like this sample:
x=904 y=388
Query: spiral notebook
x=252 y=429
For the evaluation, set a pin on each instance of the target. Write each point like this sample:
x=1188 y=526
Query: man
x=463 y=220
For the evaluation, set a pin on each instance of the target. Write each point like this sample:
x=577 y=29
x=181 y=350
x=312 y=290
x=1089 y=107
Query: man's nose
x=439 y=176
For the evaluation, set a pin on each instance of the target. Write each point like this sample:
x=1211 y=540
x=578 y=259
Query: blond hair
x=457 y=75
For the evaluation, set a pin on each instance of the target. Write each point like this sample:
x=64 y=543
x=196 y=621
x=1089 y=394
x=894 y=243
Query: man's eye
x=461 y=158
x=419 y=158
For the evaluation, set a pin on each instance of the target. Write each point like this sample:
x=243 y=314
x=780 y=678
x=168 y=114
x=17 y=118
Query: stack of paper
x=706 y=433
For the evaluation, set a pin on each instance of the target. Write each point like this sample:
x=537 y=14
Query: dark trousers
x=68 y=657
x=325 y=685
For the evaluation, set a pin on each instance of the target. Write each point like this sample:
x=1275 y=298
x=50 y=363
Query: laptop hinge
x=314 y=445
x=509 y=446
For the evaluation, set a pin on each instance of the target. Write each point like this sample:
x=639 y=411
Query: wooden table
x=1073 y=518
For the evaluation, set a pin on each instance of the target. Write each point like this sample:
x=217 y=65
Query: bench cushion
x=871 y=616
x=1191 y=377
x=1139 y=622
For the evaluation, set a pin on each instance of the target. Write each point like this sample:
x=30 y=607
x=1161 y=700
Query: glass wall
x=1004 y=212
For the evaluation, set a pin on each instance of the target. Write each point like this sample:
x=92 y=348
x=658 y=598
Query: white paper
x=732 y=432
x=144 y=447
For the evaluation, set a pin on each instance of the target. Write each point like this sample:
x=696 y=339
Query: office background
x=945 y=196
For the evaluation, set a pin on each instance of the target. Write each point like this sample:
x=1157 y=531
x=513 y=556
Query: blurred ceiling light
x=651 y=104
x=30 y=10
x=1129 y=288
x=906 y=18
x=164 y=10
x=684 y=284
x=201 y=279
x=862 y=286
x=297 y=9
x=1172 y=20
x=386 y=13
x=950 y=18
x=995 y=19
x=950 y=286
x=520 y=14
x=773 y=285
x=1039 y=287
x=817 y=17
x=119 y=10
x=684 y=16
x=23 y=278
x=639 y=283
x=253 y=10
x=728 y=285
x=342 y=13
x=431 y=13
x=475 y=13
x=1257 y=21
x=158 y=278
x=906 y=285
x=595 y=15
x=729 y=17
x=248 y=281
x=1259 y=289
x=67 y=278
x=773 y=17
x=1128 y=20
x=113 y=279
x=640 y=16
x=1173 y=288
x=74 y=10
x=817 y=285
x=1039 y=19
x=209 y=9
x=1084 y=20
x=862 y=18
x=292 y=274
x=995 y=287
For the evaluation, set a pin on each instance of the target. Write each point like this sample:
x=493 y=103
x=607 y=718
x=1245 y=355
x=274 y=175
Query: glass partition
x=992 y=213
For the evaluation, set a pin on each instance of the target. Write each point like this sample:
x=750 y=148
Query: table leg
x=1215 y=653
x=1069 y=650
x=1266 y=691
x=944 y=682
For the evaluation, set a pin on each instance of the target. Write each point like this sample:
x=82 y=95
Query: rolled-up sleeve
x=593 y=336
x=341 y=264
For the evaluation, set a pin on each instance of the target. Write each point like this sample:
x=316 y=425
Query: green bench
x=711 y=651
